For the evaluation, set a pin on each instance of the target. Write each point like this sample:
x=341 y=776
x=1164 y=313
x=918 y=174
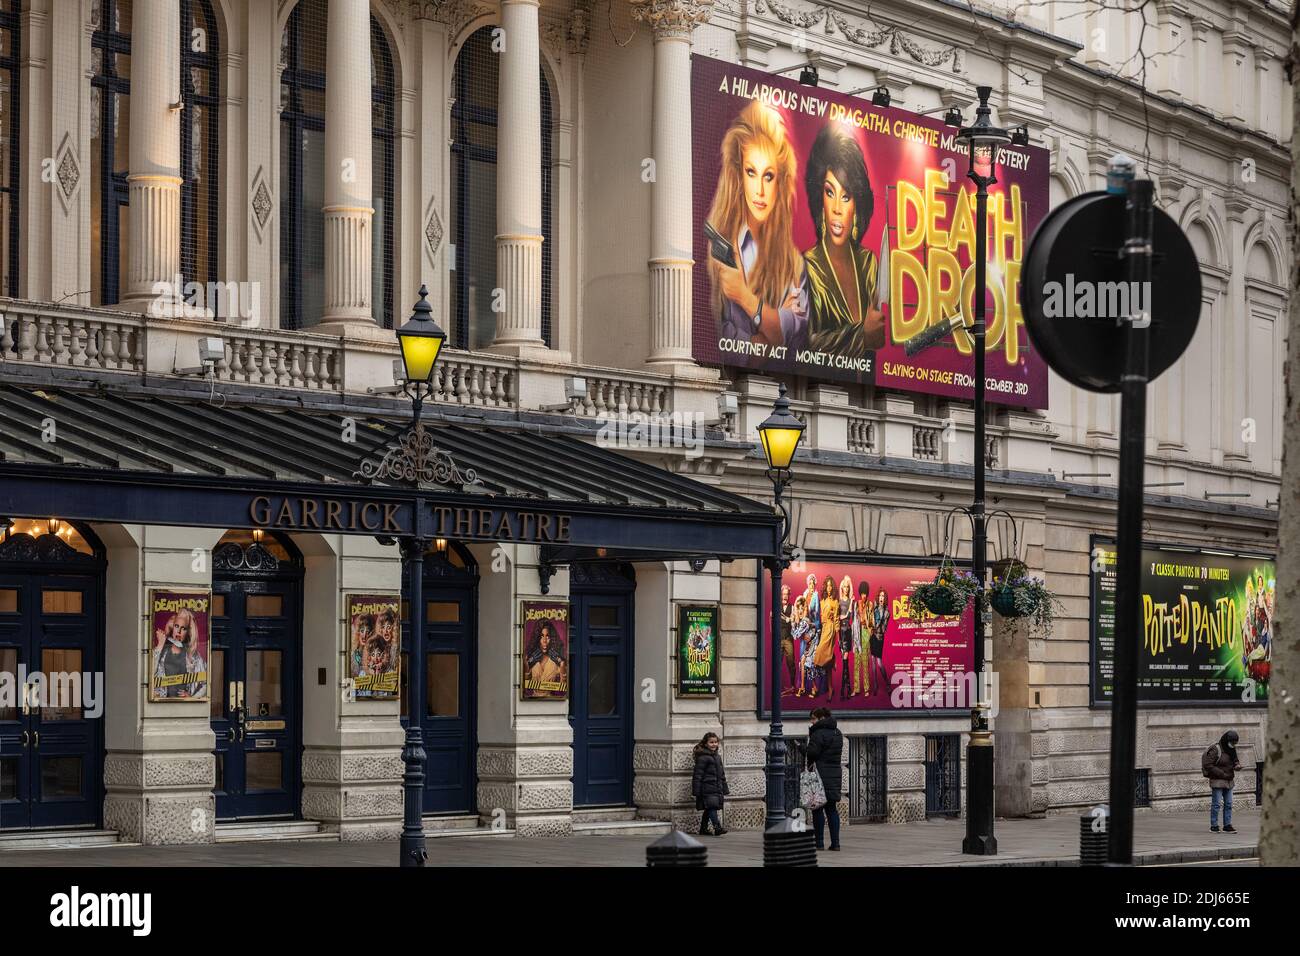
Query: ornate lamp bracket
x=413 y=459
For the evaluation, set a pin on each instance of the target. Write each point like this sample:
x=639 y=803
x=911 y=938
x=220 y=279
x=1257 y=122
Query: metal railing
x=942 y=775
x=868 y=779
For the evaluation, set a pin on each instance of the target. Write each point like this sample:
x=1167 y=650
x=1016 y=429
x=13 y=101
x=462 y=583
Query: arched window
x=384 y=86
x=9 y=56
x=473 y=192
x=302 y=167
x=199 y=189
x=110 y=145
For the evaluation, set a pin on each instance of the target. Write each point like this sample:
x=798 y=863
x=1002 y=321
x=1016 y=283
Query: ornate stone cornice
x=670 y=19
x=861 y=32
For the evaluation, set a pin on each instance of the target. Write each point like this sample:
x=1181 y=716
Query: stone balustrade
x=78 y=338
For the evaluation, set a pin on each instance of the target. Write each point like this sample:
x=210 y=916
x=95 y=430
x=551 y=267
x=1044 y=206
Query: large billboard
x=829 y=232
x=1207 y=625
x=849 y=641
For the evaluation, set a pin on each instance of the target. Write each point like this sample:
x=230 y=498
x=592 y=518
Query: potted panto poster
x=697 y=651
x=852 y=639
x=374 y=645
x=545 y=651
x=180 y=644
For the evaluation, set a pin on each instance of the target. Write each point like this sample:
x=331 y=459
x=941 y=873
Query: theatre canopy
x=195 y=460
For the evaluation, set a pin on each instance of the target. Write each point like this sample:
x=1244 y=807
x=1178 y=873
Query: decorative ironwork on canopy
x=414 y=459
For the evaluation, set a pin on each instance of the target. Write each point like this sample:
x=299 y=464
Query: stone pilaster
x=153 y=240
x=348 y=208
x=518 y=296
x=159 y=768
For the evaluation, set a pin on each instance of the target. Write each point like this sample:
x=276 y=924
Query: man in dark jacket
x=709 y=784
x=1220 y=765
x=825 y=748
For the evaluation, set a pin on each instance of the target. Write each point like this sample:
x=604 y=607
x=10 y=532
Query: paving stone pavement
x=1159 y=838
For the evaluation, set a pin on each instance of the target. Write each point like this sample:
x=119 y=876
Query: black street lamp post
x=983 y=140
x=780 y=434
x=421 y=342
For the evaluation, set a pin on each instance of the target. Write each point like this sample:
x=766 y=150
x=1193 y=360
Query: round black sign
x=1074 y=286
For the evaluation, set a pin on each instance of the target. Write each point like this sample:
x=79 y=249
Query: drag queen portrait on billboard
x=842 y=276
x=764 y=297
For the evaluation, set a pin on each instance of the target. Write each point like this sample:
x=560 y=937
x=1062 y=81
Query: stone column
x=348 y=209
x=517 y=299
x=672 y=22
x=153 y=241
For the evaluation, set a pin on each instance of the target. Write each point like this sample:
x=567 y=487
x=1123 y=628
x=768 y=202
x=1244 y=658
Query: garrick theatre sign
x=287 y=513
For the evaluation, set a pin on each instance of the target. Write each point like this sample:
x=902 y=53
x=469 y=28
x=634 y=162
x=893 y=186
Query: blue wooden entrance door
x=256 y=682
x=50 y=744
x=600 y=682
x=449 y=673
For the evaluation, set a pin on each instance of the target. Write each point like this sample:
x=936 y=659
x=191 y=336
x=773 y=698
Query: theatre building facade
x=213 y=495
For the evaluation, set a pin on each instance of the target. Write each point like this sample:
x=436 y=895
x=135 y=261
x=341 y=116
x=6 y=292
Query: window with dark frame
x=384 y=94
x=200 y=183
x=110 y=124
x=473 y=193
x=10 y=54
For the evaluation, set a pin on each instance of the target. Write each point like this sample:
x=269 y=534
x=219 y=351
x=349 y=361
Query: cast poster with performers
x=697 y=650
x=849 y=642
x=829 y=232
x=1207 y=625
x=181 y=644
x=545 y=650
x=374 y=645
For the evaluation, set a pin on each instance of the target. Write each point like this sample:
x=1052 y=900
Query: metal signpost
x=1112 y=296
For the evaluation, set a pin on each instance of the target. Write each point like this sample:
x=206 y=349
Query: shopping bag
x=811 y=792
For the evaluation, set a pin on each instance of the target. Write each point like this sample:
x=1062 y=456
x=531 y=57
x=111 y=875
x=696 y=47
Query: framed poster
x=1207 y=625
x=849 y=641
x=545 y=650
x=697 y=650
x=180 y=645
x=374 y=645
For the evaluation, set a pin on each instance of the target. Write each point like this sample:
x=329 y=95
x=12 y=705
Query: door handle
x=26 y=739
x=37 y=735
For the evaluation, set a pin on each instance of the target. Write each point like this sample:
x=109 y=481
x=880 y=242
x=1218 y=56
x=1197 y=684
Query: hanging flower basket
x=1013 y=602
x=1017 y=595
x=948 y=594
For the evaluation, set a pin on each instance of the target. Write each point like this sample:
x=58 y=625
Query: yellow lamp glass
x=419 y=354
x=780 y=444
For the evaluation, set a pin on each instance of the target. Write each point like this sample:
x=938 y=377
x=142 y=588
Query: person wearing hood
x=1220 y=765
x=709 y=784
x=825 y=748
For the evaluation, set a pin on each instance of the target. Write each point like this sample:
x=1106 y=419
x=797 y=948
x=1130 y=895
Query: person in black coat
x=709 y=783
x=825 y=748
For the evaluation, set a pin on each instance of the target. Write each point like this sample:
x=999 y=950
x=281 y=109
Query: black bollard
x=1094 y=838
x=677 y=849
x=789 y=843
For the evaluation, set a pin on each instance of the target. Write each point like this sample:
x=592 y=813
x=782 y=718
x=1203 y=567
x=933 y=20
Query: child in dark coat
x=709 y=783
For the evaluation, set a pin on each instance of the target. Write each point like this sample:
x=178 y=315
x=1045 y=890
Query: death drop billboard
x=829 y=232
